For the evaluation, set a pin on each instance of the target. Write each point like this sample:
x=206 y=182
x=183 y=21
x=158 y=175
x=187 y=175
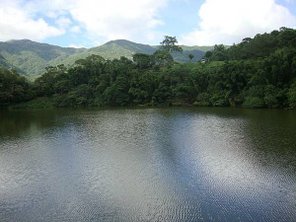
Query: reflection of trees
x=17 y=123
x=271 y=135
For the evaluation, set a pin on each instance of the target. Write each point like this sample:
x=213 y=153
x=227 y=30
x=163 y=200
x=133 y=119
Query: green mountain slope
x=30 y=58
x=3 y=62
x=110 y=50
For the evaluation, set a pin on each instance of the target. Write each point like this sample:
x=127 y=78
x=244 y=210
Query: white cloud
x=112 y=19
x=101 y=20
x=16 y=23
x=229 y=21
x=75 y=29
x=63 y=22
x=77 y=46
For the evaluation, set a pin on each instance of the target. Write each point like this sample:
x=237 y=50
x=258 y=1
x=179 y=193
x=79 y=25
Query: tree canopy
x=258 y=72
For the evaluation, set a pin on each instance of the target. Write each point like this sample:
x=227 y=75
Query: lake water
x=195 y=164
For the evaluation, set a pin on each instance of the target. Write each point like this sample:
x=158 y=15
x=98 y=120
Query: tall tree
x=169 y=44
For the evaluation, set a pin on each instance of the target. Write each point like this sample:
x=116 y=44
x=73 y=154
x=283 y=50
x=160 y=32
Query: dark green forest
x=259 y=72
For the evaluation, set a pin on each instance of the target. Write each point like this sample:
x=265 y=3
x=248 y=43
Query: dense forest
x=259 y=72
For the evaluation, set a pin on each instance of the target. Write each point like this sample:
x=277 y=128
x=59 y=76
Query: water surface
x=195 y=164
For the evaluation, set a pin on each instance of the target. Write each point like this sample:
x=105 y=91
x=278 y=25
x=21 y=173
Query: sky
x=89 y=23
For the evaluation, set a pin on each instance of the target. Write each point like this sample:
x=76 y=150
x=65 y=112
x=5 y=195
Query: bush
x=254 y=102
x=292 y=96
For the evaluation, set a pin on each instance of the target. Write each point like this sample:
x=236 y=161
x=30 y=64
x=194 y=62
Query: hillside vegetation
x=259 y=72
x=31 y=58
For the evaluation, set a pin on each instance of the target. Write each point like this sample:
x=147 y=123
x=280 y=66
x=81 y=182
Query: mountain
x=197 y=51
x=30 y=58
x=110 y=50
x=3 y=62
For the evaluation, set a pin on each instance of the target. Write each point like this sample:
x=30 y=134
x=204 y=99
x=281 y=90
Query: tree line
x=259 y=72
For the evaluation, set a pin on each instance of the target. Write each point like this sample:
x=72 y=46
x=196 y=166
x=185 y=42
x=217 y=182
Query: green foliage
x=31 y=58
x=162 y=58
x=254 y=102
x=292 y=95
x=218 y=54
x=261 y=46
x=235 y=76
x=143 y=61
x=13 y=88
x=169 y=44
x=37 y=103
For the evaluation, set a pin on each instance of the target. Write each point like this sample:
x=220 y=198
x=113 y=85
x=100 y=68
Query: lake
x=171 y=164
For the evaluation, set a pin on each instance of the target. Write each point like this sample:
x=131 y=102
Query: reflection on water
x=148 y=165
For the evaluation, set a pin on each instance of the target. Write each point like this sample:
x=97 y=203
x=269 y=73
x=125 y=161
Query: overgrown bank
x=258 y=73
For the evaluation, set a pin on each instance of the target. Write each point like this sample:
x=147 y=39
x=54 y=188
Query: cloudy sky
x=89 y=23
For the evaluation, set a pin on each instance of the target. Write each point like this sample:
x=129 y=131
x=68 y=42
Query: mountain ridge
x=30 y=58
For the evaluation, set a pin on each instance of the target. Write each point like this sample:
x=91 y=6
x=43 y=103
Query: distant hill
x=3 y=62
x=197 y=51
x=110 y=50
x=30 y=58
